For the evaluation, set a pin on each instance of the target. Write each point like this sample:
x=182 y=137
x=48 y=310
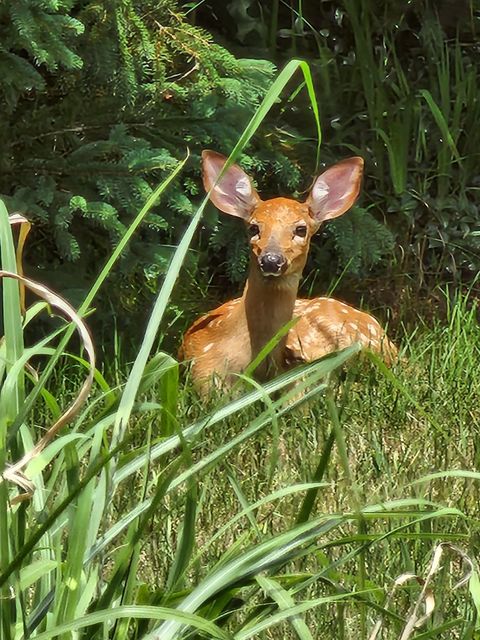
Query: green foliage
x=408 y=96
x=100 y=108
x=229 y=233
x=360 y=240
x=45 y=33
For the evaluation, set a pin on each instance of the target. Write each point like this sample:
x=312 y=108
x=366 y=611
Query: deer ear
x=234 y=193
x=335 y=190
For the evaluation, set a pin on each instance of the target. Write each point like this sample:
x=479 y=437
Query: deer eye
x=253 y=230
x=301 y=231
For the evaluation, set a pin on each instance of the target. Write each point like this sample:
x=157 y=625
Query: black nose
x=272 y=263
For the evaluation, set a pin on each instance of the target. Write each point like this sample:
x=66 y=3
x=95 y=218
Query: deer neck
x=269 y=304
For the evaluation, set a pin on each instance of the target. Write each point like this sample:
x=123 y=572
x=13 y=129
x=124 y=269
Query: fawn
x=226 y=340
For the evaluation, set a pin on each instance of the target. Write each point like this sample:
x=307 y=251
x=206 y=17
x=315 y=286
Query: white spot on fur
x=353 y=326
x=207 y=347
x=373 y=330
x=344 y=309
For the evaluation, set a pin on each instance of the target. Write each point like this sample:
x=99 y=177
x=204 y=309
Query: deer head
x=280 y=229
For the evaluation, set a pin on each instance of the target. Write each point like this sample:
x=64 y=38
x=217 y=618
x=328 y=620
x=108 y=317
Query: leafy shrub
x=102 y=99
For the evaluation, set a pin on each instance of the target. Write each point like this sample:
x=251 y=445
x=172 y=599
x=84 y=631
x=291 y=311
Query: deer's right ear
x=234 y=193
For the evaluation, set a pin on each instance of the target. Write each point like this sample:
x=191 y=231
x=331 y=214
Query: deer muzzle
x=272 y=264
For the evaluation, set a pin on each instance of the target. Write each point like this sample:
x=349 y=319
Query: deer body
x=226 y=340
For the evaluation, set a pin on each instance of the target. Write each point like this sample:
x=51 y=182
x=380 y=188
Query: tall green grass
x=154 y=516
x=401 y=89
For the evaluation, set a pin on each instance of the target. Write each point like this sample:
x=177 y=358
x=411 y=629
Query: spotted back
x=327 y=325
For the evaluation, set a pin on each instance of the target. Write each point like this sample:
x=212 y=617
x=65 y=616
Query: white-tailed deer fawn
x=227 y=339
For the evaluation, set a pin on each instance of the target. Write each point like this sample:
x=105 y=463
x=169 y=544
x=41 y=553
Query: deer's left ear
x=335 y=190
